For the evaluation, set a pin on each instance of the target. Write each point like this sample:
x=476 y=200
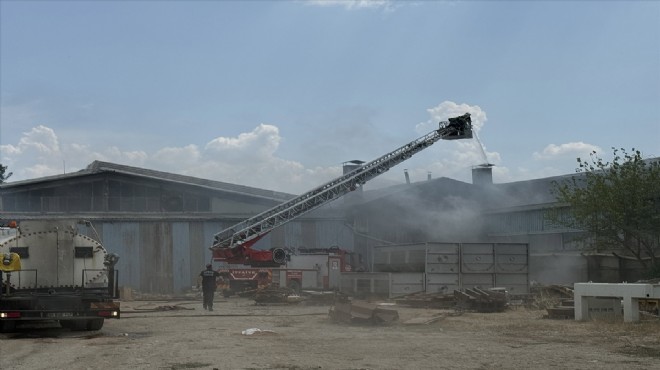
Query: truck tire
x=74 y=325
x=94 y=324
x=7 y=326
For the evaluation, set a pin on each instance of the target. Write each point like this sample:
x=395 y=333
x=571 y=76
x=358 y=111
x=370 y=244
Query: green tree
x=616 y=203
x=4 y=176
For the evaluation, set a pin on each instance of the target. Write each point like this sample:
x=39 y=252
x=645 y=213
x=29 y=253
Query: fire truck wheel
x=95 y=324
x=7 y=326
x=294 y=285
x=74 y=325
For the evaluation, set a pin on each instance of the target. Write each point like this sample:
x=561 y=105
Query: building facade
x=161 y=224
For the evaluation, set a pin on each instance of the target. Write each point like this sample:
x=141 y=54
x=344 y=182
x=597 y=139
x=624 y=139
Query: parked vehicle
x=307 y=268
x=233 y=245
x=54 y=270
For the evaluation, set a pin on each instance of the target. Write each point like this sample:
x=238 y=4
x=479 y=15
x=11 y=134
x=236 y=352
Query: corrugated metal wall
x=181 y=256
x=123 y=239
x=445 y=267
x=309 y=234
x=156 y=262
x=166 y=257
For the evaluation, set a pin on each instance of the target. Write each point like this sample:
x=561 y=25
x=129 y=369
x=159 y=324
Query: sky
x=278 y=94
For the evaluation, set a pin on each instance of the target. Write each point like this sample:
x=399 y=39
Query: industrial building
x=162 y=224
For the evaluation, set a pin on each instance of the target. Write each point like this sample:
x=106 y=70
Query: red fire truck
x=315 y=268
x=307 y=268
x=234 y=244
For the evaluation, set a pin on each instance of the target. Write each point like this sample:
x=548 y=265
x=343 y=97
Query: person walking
x=208 y=278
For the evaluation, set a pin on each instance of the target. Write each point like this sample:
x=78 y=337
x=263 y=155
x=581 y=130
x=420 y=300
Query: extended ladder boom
x=249 y=231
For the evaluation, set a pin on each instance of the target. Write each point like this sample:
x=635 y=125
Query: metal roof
x=98 y=167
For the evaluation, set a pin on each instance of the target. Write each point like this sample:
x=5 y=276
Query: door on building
x=334 y=271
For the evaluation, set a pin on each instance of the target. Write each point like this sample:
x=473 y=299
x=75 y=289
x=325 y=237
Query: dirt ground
x=181 y=335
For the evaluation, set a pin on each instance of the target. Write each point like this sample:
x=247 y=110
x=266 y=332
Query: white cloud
x=36 y=170
x=252 y=159
x=461 y=155
x=448 y=109
x=113 y=153
x=247 y=159
x=175 y=159
x=40 y=145
x=39 y=153
x=41 y=139
x=262 y=143
x=576 y=149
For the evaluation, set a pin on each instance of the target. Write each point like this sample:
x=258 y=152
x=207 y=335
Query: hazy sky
x=277 y=94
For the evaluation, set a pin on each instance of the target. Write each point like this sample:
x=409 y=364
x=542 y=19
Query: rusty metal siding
x=156 y=266
x=197 y=252
x=181 y=257
x=210 y=229
x=122 y=238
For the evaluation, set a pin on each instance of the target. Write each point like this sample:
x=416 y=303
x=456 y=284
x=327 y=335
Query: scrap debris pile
x=361 y=312
x=475 y=299
x=276 y=295
x=557 y=300
x=427 y=300
x=481 y=300
x=282 y=295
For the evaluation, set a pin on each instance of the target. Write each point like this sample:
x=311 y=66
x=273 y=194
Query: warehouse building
x=162 y=224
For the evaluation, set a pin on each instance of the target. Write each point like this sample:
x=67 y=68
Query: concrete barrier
x=630 y=294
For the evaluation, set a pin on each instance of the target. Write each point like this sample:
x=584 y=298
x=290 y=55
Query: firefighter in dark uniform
x=208 y=278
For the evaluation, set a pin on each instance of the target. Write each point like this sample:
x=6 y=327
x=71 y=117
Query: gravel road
x=181 y=335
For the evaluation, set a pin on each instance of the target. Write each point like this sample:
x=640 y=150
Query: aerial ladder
x=234 y=244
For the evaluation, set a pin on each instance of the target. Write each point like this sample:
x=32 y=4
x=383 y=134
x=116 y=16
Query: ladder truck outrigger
x=234 y=244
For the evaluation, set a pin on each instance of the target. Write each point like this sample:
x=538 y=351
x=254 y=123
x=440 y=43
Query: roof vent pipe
x=428 y=175
x=405 y=172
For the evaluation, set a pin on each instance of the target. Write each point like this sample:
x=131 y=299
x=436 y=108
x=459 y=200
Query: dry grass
x=525 y=326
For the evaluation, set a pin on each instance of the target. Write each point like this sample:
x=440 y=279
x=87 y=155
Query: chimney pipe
x=428 y=175
x=405 y=172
